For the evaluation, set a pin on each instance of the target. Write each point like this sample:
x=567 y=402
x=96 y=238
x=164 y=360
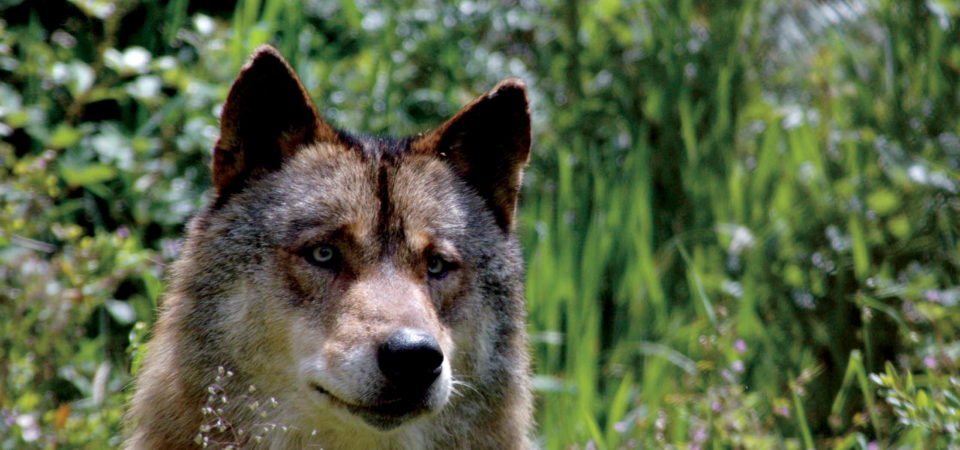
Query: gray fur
x=242 y=299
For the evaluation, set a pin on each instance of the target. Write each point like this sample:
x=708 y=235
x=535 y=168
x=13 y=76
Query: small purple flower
x=621 y=427
x=737 y=366
x=699 y=435
x=930 y=362
x=740 y=346
x=715 y=406
x=783 y=411
x=873 y=445
x=123 y=232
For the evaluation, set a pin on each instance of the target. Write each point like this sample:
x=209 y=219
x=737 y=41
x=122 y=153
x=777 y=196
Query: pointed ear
x=268 y=115
x=488 y=144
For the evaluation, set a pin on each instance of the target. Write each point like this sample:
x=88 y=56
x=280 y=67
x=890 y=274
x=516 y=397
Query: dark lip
x=385 y=415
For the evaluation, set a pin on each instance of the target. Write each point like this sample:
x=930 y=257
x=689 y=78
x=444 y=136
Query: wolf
x=345 y=291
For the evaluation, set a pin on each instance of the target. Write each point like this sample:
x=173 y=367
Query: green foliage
x=928 y=411
x=739 y=219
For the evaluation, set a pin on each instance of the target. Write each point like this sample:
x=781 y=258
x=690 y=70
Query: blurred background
x=740 y=219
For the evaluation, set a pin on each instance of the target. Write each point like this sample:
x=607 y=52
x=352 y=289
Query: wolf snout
x=410 y=359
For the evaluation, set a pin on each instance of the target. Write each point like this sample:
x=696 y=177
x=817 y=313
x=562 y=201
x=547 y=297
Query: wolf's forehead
x=427 y=194
x=336 y=186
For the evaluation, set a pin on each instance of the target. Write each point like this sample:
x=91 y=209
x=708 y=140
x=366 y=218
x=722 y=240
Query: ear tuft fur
x=512 y=84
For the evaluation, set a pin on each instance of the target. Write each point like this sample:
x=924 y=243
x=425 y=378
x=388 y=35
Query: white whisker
x=456 y=384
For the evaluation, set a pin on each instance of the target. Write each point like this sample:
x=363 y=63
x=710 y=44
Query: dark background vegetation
x=740 y=218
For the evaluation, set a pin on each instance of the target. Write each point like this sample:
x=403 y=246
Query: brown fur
x=249 y=304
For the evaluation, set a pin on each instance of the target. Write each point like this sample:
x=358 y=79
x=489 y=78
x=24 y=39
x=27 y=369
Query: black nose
x=410 y=358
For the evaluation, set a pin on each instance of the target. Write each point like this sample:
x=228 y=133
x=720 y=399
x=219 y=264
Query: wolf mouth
x=384 y=415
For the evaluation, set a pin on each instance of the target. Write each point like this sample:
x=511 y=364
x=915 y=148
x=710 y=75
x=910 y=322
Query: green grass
x=740 y=218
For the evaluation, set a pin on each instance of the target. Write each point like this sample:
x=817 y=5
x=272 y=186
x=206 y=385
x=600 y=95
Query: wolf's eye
x=437 y=267
x=323 y=256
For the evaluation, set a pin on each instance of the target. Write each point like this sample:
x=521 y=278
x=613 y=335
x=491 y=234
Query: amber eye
x=323 y=256
x=437 y=267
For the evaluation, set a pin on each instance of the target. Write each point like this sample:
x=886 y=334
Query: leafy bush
x=739 y=220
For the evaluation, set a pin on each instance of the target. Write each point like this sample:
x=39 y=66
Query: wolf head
x=365 y=283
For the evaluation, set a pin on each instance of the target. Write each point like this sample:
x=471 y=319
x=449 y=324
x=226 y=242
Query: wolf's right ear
x=488 y=144
x=267 y=117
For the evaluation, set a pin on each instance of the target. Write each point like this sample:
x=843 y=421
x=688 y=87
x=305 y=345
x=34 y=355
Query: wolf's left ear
x=268 y=115
x=488 y=144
